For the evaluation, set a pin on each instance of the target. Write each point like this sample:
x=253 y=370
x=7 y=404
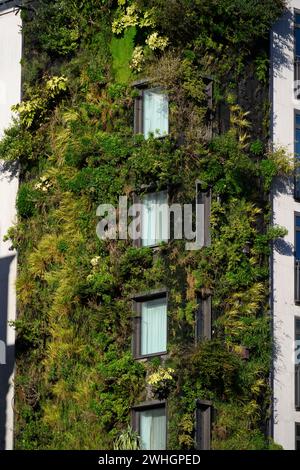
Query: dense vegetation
x=76 y=377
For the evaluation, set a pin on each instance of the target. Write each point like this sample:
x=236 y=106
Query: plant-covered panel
x=76 y=377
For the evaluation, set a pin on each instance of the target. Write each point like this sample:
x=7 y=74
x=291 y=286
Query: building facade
x=285 y=273
x=10 y=92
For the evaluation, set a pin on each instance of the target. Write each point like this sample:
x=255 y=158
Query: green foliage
x=218 y=369
x=122 y=50
x=26 y=201
x=127 y=440
x=36 y=108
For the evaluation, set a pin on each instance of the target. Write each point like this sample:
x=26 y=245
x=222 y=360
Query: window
x=297 y=53
x=203 y=319
x=297 y=258
x=297 y=156
x=155 y=218
x=297 y=363
x=297 y=433
x=151 y=114
x=150 y=336
x=154 y=326
x=150 y=422
x=155 y=113
x=203 y=424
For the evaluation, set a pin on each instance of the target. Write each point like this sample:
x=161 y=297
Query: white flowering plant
x=138 y=59
x=131 y=15
x=43 y=185
x=155 y=41
x=162 y=381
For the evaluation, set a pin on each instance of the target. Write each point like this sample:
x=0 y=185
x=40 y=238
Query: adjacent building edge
x=10 y=93
x=285 y=107
x=285 y=209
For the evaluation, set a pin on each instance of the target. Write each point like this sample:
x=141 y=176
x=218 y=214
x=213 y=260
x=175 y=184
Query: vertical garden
x=73 y=140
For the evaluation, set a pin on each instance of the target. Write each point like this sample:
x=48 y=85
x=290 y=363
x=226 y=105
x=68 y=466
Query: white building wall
x=284 y=207
x=10 y=91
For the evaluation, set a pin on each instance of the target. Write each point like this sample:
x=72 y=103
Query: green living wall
x=76 y=378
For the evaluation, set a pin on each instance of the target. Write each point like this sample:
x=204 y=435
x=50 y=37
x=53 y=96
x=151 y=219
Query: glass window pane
x=153 y=429
x=298 y=120
x=297 y=221
x=298 y=245
x=297 y=329
x=154 y=326
x=297 y=143
x=297 y=19
x=297 y=39
x=155 y=218
x=297 y=349
x=156 y=113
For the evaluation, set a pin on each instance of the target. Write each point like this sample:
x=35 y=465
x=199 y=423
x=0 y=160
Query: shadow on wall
x=282 y=60
x=6 y=4
x=283 y=44
x=7 y=369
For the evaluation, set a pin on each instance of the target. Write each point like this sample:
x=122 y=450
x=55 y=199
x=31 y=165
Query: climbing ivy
x=76 y=378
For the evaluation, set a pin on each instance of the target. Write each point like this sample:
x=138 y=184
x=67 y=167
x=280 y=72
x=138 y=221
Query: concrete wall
x=10 y=90
x=284 y=206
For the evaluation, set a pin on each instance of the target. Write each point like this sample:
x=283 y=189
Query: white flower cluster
x=130 y=18
x=43 y=185
x=155 y=41
x=133 y=16
x=95 y=261
x=138 y=58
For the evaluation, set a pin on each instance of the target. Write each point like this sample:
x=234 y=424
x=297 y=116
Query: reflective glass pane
x=154 y=326
x=155 y=218
x=153 y=429
x=155 y=113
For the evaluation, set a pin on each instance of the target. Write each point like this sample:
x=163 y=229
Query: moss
x=121 y=50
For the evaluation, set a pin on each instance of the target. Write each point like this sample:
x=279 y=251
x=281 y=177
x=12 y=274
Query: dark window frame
x=296 y=26
x=296 y=262
x=137 y=301
x=297 y=369
x=297 y=436
x=203 y=325
x=137 y=198
x=142 y=86
x=296 y=158
x=204 y=197
x=296 y=58
x=144 y=406
x=203 y=424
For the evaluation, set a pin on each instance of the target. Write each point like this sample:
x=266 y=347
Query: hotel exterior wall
x=10 y=91
x=284 y=207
